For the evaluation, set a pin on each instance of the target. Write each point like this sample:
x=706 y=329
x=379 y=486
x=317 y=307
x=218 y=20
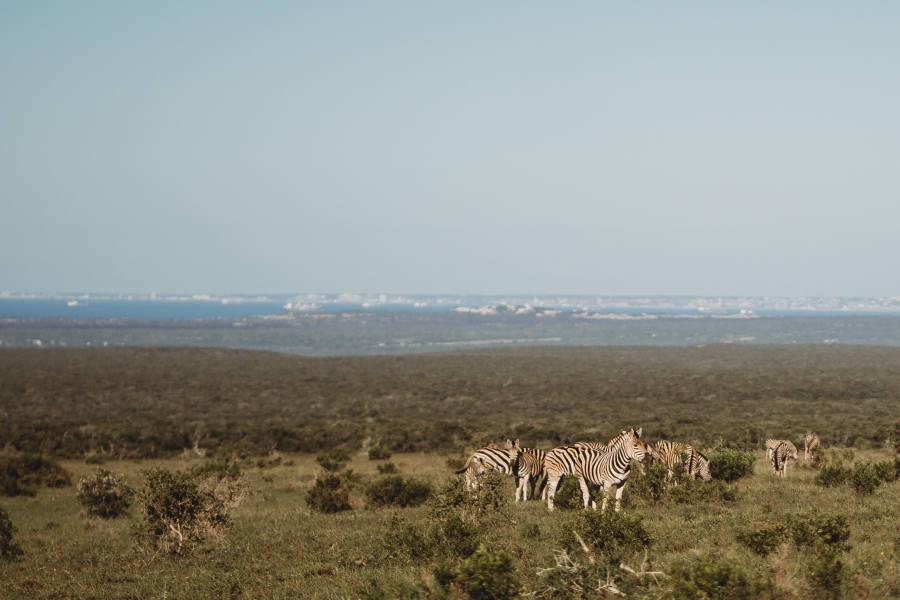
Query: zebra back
x=562 y=460
x=612 y=466
x=782 y=453
x=593 y=445
x=487 y=459
x=810 y=441
x=531 y=462
x=673 y=453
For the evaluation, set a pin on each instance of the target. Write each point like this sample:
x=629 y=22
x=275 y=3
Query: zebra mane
x=620 y=439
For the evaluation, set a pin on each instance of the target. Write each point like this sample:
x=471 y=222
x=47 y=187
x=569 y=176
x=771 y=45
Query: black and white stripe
x=608 y=468
x=673 y=453
x=809 y=442
x=489 y=458
x=782 y=453
x=772 y=443
x=529 y=468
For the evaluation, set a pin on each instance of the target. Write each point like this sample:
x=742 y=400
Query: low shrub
x=397 y=490
x=9 y=550
x=487 y=575
x=21 y=474
x=104 y=494
x=712 y=578
x=831 y=475
x=652 y=485
x=219 y=468
x=387 y=468
x=817 y=529
x=613 y=535
x=335 y=459
x=729 y=464
x=329 y=495
x=455 y=463
x=181 y=509
x=379 y=453
x=865 y=478
x=764 y=540
x=489 y=501
x=451 y=537
x=568 y=494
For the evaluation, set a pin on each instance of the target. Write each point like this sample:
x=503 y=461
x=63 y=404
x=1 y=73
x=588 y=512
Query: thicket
x=331 y=491
x=155 y=402
x=181 y=509
x=710 y=577
x=399 y=491
x=22 y=474
x=863 y=476
x=653 y=484
x=9 y=550
x=731 y=464
x=104 y=494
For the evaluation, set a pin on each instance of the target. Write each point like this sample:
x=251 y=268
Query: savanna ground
x=135 y=408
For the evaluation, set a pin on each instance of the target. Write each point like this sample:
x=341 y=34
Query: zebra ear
x=516 y=445
x=639 y=431
x=509 y=444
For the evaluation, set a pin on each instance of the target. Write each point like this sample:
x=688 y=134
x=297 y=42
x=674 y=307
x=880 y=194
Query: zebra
x=772 y=443
x=489 y=458
x=673 y=453
x=529 y=467
x=608 y=468
x=782 y=453
x=594 y=445
x=810 y=441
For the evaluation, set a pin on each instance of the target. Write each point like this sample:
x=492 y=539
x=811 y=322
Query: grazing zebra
x=529 y=467
x=772 y=443
x=489 y=458
x=782 y=453
x=810 y=441
x=608 y=468
x=673 y=453
x=594 y=445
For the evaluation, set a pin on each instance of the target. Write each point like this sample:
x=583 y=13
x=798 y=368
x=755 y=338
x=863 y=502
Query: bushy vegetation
x=615 y=536
x=22 y=474
x=9 y=549
x=397 y=490
x=181 y=509
x=387 y=468
x=730 y=464
x=330 y=494
x=713 y=578
x=104 y=494
x=169 y=399
x=864 y=476
x=652 y=484
x=379 y=453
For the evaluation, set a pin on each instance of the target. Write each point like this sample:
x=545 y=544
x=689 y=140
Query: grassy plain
x=137 y=407
x=279 y=549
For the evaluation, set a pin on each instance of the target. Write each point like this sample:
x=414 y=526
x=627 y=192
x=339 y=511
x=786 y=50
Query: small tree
x=181 y=509
x=104 y=494
x=9 y=550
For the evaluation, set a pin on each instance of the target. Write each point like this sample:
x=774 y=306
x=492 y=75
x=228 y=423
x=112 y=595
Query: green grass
x=279 y=549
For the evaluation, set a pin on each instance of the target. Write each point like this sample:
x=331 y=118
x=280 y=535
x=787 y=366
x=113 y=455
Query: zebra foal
x=673 y=453
x=810 y=441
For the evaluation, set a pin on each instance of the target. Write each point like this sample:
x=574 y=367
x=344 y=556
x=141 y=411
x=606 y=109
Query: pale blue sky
x=457 y=147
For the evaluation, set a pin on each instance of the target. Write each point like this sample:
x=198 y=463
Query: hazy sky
x=455 y=147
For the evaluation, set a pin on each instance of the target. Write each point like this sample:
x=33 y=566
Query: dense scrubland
x=271 y=519
x=157 y=402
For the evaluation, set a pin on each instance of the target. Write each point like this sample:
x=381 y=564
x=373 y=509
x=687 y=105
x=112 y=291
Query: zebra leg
x=605 y=491
x=585 y=492
x=525 y=485
x=552 y=482
x=619 y=491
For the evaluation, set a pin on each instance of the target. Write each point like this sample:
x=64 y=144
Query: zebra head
x=653 y=453
x=515 y=452
x=633 y=446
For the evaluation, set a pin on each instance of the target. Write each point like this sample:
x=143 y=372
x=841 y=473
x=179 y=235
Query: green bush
x=865 y=479
x=379 y=453
x=9 y=550
x=652 y=485
x=21 y=474
x=711 y=578
x=613 y=535
x=763 y=540
x=397 y=490
x=831 y=475
x=219 y=468
x=489 y=501
x=335 y=459
x=329 y=495
x=181 y=509
x=568 y=494
x=826 y=573
x=487 y=575
x=104 y=494
x=817 y=529
x=730 y=465
x=387 y=468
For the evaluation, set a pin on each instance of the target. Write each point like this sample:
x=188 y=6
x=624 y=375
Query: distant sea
x=112 y=308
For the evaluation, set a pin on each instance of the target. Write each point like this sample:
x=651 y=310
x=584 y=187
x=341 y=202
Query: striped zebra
x=593 y=445
x=772 y=443
x=810 y=441
x=782 y=453
x=673 y=453
x=608 y=468
x=489 y=458
x=529 y=469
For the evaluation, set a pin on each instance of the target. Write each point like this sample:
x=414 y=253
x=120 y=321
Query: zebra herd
x=605 y=465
